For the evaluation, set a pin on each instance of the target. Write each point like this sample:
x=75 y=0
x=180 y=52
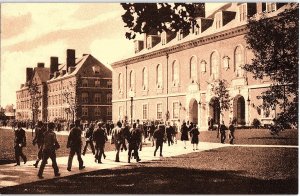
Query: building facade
x=171 y=76
x=81 y=88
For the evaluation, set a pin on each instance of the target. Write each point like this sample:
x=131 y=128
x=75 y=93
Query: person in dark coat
x=231 y=134
x=184 y=134
x=134 y=140
x=89 y=139
x=20 y=142
x=75 y=144
x=222 y=130
x=50 y=145
x=195 y=139
x=159 y=135
x=117 y=139
x=100 y=138
x=170 y=131
x=39 y=140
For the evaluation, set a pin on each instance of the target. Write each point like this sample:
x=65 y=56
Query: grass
x=228 y=170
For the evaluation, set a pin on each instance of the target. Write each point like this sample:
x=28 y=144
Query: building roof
x=43 y=73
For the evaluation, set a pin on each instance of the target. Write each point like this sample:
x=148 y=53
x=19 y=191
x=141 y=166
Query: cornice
x=240 y=30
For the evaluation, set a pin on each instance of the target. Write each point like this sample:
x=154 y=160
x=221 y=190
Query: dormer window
x=180 y=34
x=243 y=12
x=163 y=38
x=271 y=7
x=149 y=42
x=197 y=29
x=218 y=20
x=96 y=69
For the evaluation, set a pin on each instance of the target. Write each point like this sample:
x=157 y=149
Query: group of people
x=123 y=136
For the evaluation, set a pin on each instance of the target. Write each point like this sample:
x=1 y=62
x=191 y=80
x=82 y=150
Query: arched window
x=132 y=80
x=145 y=79
x=193 y=69
x=214 y=65
x=120 y=81
x=238 y=61
x=159 y=76
x=175 y=73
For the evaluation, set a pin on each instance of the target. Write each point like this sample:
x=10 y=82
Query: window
x=175 y=110
x=96 y=69
x=218 y=20
x=108 y=98
x=85 y=111
x=85 y=97
x=243 y=12
x=84 y=83
x=159 y=76
x=238 y=61
x=144 y=79
x=109 y=111
x=145 y=111
x=180 y=35
x=109 y=84
x=214 y=65
x=159 y=111
x=163 y=38
x=97 y=98
x=175 y=73
x=97 y=83
x=149 y=42
x=120 y=82
x=271 y=7
x=132 y=80
x=193 y=69
x=97 y=111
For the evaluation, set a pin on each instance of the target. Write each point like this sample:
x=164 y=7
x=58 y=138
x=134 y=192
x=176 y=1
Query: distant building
x=171 y=75
x=82 y=85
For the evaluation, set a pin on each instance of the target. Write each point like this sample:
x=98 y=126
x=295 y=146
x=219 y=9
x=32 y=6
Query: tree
x=35 y=98
x=156 y=17
x=274 y=42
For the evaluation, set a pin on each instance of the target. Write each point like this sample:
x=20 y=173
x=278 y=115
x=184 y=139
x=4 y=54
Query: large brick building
x=80 y=88
x=170 y=76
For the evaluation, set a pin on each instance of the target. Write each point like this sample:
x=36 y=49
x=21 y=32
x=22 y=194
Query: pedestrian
x=126 y=133
x=20 y=142
x=170 y=132
x=117 y=139
x=75 y=144
x=195 y=137
x=159 y=135
x=222 y=130
x=140 y=128
x=100 y=137
x=231 y=132
x=89 y=139
x=134 y=141
x=184 y=134
x=39 y=140
x=50 y=145
x=151 y=132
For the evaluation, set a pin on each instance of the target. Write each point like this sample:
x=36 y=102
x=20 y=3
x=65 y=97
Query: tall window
x=193 y=69
x=109 y=111
x=175 y=73
x=145 y=78
x=175 y=110
x=159 y=111
x=108 y=98
x=97 y=111
x=145 y=111
x=238 y=61
x=243 y=12
x=120 y=112
x=85 y=83
x=85 y=111
x=97 y=98
x=85 y=97
x=109 y=84
x=97 y=83
x=132 y=80
x=159 y=76
x=120 y=82
x=214 y=65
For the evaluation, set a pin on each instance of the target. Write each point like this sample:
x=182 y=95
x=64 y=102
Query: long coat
x=74 y=139
x=184 y=133
x=99 y=137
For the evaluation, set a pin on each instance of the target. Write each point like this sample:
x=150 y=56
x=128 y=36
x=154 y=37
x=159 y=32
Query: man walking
x=159 y=135
x=75 y=143
x=117 y=139
x=39 y=140
x=48 y=150
x=223 y=129
x=170 y=132
x=100 y=138
x=89 y=139
x=231 y=134
x=20 y=142
x=134 y=142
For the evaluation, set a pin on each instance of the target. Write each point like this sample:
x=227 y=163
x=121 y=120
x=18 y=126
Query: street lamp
x=248 y=101
x=131 y=95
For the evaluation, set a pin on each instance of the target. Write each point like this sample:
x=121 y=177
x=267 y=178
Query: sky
x=33 y=32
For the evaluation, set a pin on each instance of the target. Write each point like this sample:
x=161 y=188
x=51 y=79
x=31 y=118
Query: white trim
x=150 y=97
x=177 y=101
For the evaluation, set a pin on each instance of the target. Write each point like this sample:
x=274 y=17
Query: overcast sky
x=32 y=32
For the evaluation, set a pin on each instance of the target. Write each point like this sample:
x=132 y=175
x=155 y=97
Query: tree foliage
x=275 y=42
x=156 y=17
x=35 y=98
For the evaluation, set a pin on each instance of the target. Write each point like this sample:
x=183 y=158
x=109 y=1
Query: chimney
x=41 y=65
x=71 y=69
x=29 y=73
x=70 y=58
x=56 y=74
x=53 y=64
x=63 y=72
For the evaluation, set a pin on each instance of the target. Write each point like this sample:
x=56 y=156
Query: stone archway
x=193 y=111
x=239 y=110
x=214 y=110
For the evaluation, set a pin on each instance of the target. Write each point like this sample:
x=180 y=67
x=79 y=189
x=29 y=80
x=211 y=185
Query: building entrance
x=214 y=110
x=239 y=110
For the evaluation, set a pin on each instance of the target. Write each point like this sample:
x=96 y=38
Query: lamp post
x=131 y=95
x=248 y=101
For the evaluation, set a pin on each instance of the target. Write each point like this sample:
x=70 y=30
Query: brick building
x=79 y=88
x=170 y=76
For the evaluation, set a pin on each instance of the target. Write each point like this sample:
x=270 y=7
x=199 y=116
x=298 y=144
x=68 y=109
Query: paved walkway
x=26 y=173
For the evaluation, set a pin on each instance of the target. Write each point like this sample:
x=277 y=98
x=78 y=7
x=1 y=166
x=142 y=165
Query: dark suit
x=74 y=143
x=20 y=142
x=134 y=140
x=100 y=138
x=89 y=141
x=159 y=135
